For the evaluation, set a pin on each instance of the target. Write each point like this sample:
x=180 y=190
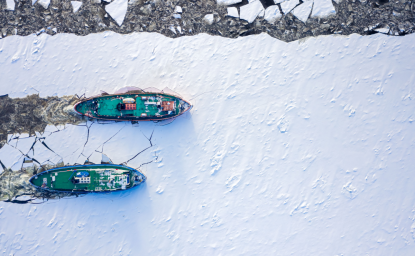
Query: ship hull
x=88 y=178
x=141 y=107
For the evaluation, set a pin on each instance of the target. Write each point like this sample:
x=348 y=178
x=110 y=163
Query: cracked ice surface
x=285 y=140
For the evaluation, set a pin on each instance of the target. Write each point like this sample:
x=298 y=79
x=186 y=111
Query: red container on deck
x=129 y=106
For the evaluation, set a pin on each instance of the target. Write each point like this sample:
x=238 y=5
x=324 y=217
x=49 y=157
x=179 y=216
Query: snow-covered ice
x=233 y=12
x=76 y=5
x=302 y=148
x=302 y=12
x=250 y=11
x=117 y=10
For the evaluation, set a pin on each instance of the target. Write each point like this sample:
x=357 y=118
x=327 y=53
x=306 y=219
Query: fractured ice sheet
x=323 y=8
x=302 y=12
x=24 y=144
x=76 y=5
x=250 y=11
x=117 y=10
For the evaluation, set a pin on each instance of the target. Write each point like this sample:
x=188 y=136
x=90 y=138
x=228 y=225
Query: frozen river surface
x=306 y=148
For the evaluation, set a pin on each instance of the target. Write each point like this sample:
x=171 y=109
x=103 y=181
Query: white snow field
x=302 y=148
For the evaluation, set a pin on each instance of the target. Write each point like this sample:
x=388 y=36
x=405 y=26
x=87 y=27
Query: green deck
x=102 y=178
x=105 y=107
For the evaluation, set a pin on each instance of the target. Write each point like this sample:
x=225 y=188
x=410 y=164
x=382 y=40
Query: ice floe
x=302 y=12
x=76 y=5
x=287 y=6
x=272 y=13
x=228 y=2
x=178 y=9
x=10 y=5
x=233 y=12
x=209 y=18
x=250 y=11
x=44 y=3
x=323 y=8
x=117 y=10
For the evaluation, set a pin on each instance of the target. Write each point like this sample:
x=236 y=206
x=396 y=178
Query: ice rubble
x=286 y=140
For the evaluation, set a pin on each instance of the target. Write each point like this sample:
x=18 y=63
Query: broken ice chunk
x=11 y=157
x=177 y=16
x=272 y=13
x=384 y=30
x=10 y=5
x=250 y=11
x=302 y=12
x=76 y=5
x=228 y=2
x=117 y=10
x=178 y=9
x=44 y=3
x=208 y=19
x=287 y=6
x=233 y=12
x=179 y=29
x=323 y=8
